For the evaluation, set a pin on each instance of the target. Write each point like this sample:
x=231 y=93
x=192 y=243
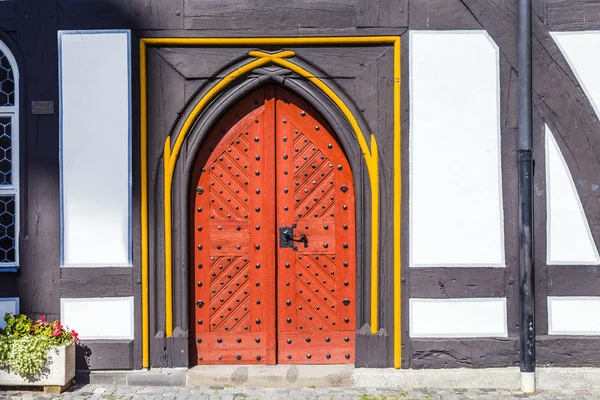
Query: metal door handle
x=287 y=239
x=302 y=238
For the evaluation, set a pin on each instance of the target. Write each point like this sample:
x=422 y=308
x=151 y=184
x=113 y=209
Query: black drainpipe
x=525 y=162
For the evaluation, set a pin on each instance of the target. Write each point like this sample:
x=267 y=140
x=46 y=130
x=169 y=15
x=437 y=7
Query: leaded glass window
x=9 y=184
x=7 y=82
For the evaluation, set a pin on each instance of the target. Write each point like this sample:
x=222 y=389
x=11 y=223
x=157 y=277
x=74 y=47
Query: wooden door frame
x=318 y=88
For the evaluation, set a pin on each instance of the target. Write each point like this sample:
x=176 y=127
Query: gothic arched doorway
x=273 y=242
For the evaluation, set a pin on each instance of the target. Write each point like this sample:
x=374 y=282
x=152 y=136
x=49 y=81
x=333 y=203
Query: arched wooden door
x=273 y=237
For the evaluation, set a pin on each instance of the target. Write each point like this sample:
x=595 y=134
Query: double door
x=273 y=238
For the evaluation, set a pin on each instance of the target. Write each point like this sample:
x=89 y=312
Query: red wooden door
x=272 y=162
x=316 y=283
x=233 y=240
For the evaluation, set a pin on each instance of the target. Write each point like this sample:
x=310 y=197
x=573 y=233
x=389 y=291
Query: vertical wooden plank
x=263 y=198
x=365 y=89
x=287 y=300
x=136 y=206
x=540 y=225
x=165 y=100
x=345 y=258
x=182 y=258
x=385 y=143
x=180 y=247
x=40 y=229
x=155 y=202
x=201 y=264
x=405 y=209
x=509 y=121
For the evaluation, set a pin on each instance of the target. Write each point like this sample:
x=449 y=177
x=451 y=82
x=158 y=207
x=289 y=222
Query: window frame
x=13 y=190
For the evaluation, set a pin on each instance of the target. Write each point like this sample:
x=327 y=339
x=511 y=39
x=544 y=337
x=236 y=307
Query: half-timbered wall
x=453 y=235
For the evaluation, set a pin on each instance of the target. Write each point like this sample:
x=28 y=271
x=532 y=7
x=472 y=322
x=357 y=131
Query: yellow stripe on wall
x=397 y=211
x=144 y=205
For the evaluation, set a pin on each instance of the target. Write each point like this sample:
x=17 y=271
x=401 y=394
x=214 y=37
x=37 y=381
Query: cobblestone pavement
x=93 y=392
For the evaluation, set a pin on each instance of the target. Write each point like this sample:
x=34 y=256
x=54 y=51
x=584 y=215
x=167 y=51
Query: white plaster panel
x=573 y=315
x=582 y=52
x=8 y=305
x=99 y=318
x=95 y=148
x=456 y=318
x=456 y=212
x=569 y=239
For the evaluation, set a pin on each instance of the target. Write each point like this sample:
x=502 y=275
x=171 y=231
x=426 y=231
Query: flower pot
x=56 y=376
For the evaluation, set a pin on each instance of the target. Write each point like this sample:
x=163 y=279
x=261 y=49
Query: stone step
x=273 y=376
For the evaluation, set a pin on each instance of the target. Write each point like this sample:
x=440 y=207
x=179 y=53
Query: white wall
x=582 y=52
x=456 y=318
x=573 y=315
x=569 y=239
x=456 y=216
x=99 y=318
x=95 y=109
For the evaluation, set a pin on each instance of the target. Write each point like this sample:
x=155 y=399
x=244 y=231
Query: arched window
x=9 y=161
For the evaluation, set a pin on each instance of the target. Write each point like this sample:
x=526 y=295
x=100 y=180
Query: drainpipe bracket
x=524 y=155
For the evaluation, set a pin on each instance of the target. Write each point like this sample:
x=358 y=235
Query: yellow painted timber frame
x=170 y=159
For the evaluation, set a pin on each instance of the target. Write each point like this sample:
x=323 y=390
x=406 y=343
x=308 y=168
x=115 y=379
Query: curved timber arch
x=289 y=80
x=211 y=102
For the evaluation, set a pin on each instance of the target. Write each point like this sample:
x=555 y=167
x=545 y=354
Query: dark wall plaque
x=42 y=107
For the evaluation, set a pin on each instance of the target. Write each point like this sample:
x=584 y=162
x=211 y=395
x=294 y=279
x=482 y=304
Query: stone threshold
x=344 y=376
